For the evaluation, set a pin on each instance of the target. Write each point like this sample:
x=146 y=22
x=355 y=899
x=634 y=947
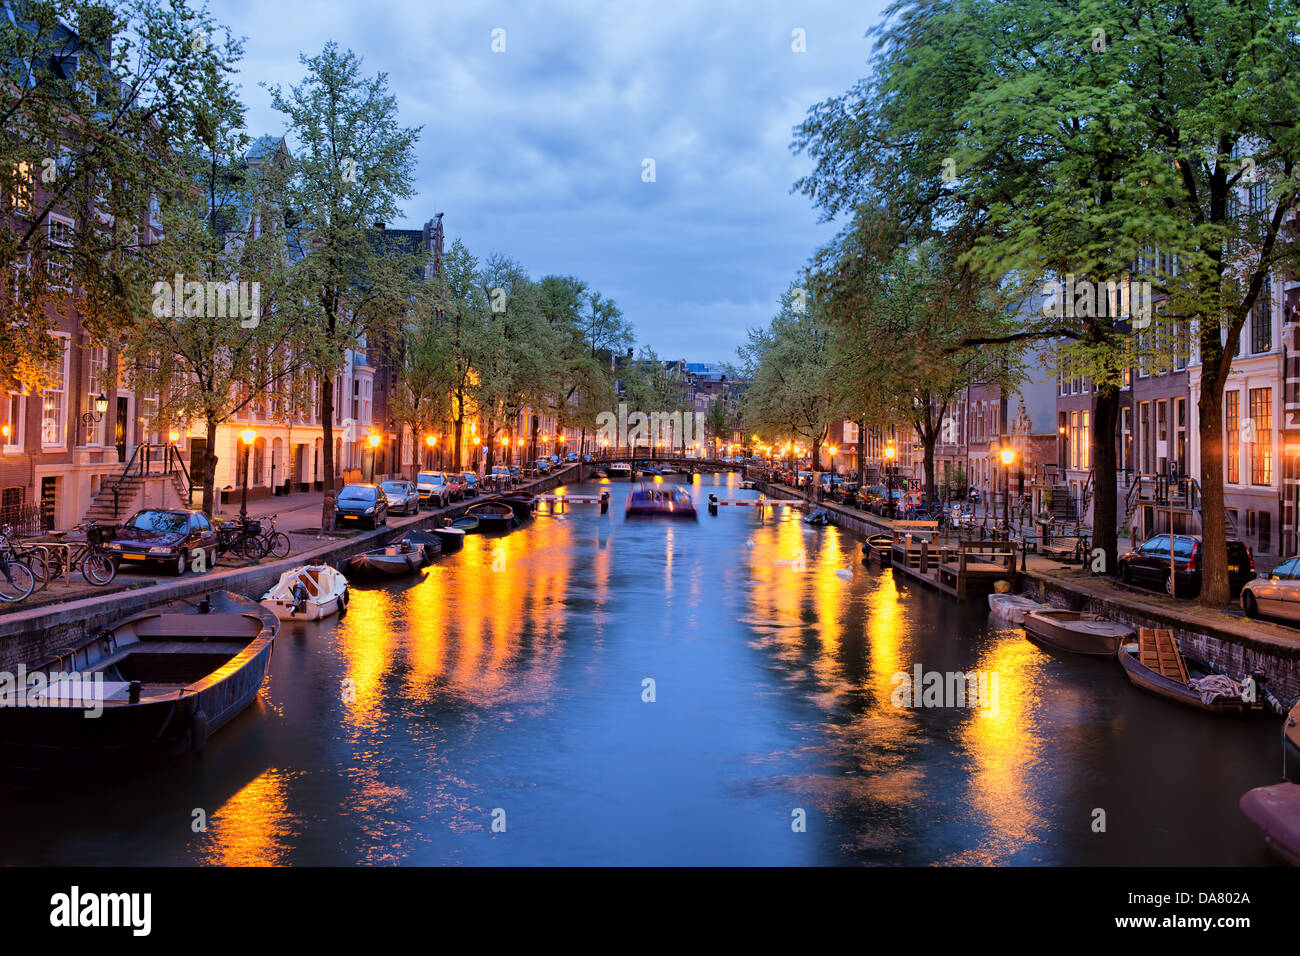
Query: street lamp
x=1008 y=455
x=249 y=436
x=91 y=419
x=374 y=440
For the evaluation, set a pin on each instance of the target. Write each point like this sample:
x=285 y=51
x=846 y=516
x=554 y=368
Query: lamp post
x=889 y=477
x=91 y=419
x=1008 y=455
x=432 y=442
x=249 y=436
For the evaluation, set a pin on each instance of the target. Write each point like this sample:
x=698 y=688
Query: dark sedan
x=176 y=538
x=361 y=504
x=1149 y=565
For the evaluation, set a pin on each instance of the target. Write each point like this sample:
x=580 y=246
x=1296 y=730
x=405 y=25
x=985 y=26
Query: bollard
x=713 y=504
x=604 y=502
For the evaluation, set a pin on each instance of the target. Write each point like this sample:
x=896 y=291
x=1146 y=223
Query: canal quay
x=593 y=690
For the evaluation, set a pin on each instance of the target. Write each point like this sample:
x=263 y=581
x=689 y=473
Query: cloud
x=537 y=152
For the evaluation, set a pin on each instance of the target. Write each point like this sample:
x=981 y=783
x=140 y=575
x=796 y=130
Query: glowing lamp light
x=374 y=441
x=431 y=440
x=1008 y=456
x=5 y=431
x=249 y=436
x=889 y=452
x=173 y=436
x=101 y=403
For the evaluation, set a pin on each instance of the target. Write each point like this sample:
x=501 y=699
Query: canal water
x=590 y=690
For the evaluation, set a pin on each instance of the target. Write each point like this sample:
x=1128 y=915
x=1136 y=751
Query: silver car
x=1277 y=595
x=403 y=498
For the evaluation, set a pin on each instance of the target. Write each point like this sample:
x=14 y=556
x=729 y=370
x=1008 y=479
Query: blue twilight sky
x=537 y=152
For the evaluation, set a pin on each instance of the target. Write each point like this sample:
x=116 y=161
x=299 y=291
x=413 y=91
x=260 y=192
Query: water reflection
x=510 y=678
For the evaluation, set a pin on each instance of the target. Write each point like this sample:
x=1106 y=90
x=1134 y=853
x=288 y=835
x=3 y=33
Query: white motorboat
x=308 y=593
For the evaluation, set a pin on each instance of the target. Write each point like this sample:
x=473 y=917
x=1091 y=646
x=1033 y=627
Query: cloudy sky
x=537 y=152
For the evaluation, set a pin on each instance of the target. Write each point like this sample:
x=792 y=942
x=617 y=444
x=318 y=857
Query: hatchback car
x=401 y=496
x=434 y=488
x=1277 y=595
x=1149 y=565
x=361 y=504
x=471 y=483
x=168 y=537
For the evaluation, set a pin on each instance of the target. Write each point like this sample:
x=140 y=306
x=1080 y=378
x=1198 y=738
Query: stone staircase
x=131 y=494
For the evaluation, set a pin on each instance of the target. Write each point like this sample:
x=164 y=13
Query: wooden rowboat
x=1009 y=610
x=880 y=549
x=395 y=560
x=1075 y=631
x=493 y=516
x=1276 y=811
x=1155 y=663
x=467 y=524
x=166 y=680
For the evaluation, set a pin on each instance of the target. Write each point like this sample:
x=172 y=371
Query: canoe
x=1276 y=811
x=1009 y=610
x=166 y=680
x=451 y=538
x=493 y=516
x=392 y=561
x=467 y=523
x=308 y=593
x=1075 y=631
x=1175 y=676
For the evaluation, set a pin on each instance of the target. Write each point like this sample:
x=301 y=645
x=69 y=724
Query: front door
x=119 y=428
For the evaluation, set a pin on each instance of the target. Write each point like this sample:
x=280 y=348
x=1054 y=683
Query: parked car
x=587 y=458
x=361 y=504
x=434 y=488
x=501 y=476
x=571 y=456
x=516 y=474
x=471 y=483
x=456 y=484
x=167 y=537
x=401 y=496
x=542 y=465
x=1148 y=565
x=1276 y=595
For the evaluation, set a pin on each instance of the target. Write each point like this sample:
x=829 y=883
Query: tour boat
x=467 y=523
x=166 y=680
x=1075 y=631
x=620 y=469
x=493 y=516
x=1276 y=811
x=1009 y=610
x=308 y=593
x=451 y=538
x=659 y=501
x=395 y=560
x=1155 y=663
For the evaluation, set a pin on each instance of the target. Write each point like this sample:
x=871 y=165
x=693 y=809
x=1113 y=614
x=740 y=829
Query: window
x=11 y=422
x=1261 y=414
x=54 y=407
x=24 y=191
x=58 y=264
x=1232 y=437
x=1126 y=445
x=1261 y=323
x=1074 y=439
x=1085 y=444
x=96 y=384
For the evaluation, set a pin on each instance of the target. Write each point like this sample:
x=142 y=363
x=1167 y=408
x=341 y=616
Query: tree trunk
x=209 y=465
x=327 y=451
x=459 y=423
x=862 y=454
x=927 y=443
x=1214 y=546
x=1105 y=494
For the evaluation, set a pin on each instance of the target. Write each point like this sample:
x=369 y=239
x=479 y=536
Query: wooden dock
x=959 y=569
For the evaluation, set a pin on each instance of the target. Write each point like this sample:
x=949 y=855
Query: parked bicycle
x=95 y=562
x=17 y=580
x=32 y=555
x=275 y=543
x=244 y=538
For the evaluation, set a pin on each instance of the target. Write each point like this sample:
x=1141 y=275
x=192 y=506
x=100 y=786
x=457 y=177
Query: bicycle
x=275 y=543
x=243 y=538
x=33 y=555
x=16 y=578
x=95 y=562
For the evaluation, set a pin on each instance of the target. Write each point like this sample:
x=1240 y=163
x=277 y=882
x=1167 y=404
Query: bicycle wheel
x=40 y=570
x=250 y=547
x=98 y=568
x=278 y=544
x=16 y=580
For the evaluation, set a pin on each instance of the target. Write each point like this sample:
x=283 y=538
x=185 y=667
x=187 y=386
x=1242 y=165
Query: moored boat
x=493 y=516
x=879 y=548
x=620 y=469
x=1155 y=663
x=1009 y=610
x=1075 y=631
x=659 y=501
x=451 y=538
x=166 y=680
x=392 y=561
x=308 y=593
x=467 y=523
x=430 y=542
x=1276 y=811
x=523 y=503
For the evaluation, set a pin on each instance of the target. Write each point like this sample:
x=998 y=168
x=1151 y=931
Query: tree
x=352 y=164
x=92 y=120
